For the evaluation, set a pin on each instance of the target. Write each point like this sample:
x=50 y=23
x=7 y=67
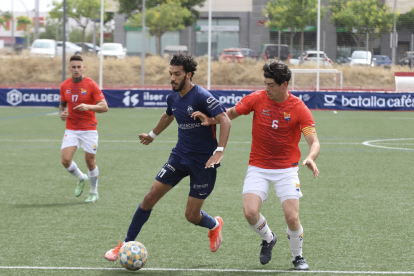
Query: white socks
x=93 y=180
x=263 y=229
x=74 y=170
x=296 y=241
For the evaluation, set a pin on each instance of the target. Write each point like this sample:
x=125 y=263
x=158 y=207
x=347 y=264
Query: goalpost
x=307 y=71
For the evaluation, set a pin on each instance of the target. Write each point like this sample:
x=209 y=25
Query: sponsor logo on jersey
x=83 y=91
x=68 y=91
x=189 y=126
x=264 y=112
x=286 y=116
x=190 y=110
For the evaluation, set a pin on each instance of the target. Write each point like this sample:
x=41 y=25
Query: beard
x=180 y=86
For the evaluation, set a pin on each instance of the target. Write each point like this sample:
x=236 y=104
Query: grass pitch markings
x=215 y=270
x=370 y=143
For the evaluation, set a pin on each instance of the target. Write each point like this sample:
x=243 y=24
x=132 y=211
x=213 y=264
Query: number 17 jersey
x=85 y=91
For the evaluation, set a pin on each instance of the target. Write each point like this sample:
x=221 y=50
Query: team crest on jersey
x=83 y=91
x=190 y=110
x=287 y=116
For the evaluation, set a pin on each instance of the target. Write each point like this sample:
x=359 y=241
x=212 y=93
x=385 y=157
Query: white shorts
x=285 y=181
x=87 y=139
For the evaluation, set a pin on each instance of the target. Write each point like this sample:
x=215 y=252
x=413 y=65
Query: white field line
x=214 y=270
x=379 y=143
x=370 y=143
x=175 y=141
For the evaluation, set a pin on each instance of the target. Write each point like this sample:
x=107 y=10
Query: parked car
x=311 y=57
x=407 y=59
x=71 y=48
x=232 y=55
x=88 y=47
x=114 y=50
x=379 y=60
x=341 y=60
x=270 y=51
x=249 y=53
x=360 y=58
x=43 y=48
x=172 y=49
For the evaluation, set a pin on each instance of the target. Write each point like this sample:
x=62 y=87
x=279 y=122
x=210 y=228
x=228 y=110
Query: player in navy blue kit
x=196 y=154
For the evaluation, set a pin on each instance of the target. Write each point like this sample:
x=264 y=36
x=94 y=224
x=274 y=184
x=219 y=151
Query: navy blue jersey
x=195 y=141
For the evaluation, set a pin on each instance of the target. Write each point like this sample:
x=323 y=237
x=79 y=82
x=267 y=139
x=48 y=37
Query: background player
x=279 y=118
x=80 y=99
x=196 y=153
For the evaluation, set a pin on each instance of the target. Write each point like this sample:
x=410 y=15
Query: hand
x=312 y=166
x=214 y=160
x=145 y=139
x=64 y=115
x=203 y=118
x=83 y=107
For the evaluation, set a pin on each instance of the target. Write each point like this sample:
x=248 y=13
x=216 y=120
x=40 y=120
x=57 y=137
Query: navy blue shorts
x=201 y=180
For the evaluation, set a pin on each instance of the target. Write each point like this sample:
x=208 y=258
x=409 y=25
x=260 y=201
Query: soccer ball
x=133 y=255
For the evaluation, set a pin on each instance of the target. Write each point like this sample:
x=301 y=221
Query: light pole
x=28 y=16
x=394 y=34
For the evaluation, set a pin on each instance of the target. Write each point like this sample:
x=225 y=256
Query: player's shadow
x=47 y=205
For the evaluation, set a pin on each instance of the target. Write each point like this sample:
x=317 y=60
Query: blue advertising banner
x=157 y=98
x=365 y=101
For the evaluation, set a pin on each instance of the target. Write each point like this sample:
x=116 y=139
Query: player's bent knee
x=292 y=220
x=66 y=162
x=250 y=214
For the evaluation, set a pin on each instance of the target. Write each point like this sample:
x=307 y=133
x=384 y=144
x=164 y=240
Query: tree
x=361 y=17
x=51 y=27
x=79 y=10
x=279 y=15
x=160 y=19
x=4 y=18
x=292 y=14
x=131 y=7
x=25 y=23
x=406 y=20
x=306 y=11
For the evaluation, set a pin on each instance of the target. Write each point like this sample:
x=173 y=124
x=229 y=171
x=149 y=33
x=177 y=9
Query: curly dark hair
x=186 y=61
x=76 y=57
x=277 y=71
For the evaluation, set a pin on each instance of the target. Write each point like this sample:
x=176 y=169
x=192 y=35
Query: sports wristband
x=153 y=135
x=218 y=149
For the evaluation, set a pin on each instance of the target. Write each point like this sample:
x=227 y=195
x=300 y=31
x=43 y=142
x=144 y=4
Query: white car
x=112 y=50
x=43 y=48
x=311 y=57
x=71 y=48
x=360 y=58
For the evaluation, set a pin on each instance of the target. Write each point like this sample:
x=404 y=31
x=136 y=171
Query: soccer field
x=357 y=216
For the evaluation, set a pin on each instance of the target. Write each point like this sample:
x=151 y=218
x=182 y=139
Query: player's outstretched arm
x=314 y=149
x=63 y=111
x=163 y=123
x=206 y=121
x=225 y=125
x=99 y=107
